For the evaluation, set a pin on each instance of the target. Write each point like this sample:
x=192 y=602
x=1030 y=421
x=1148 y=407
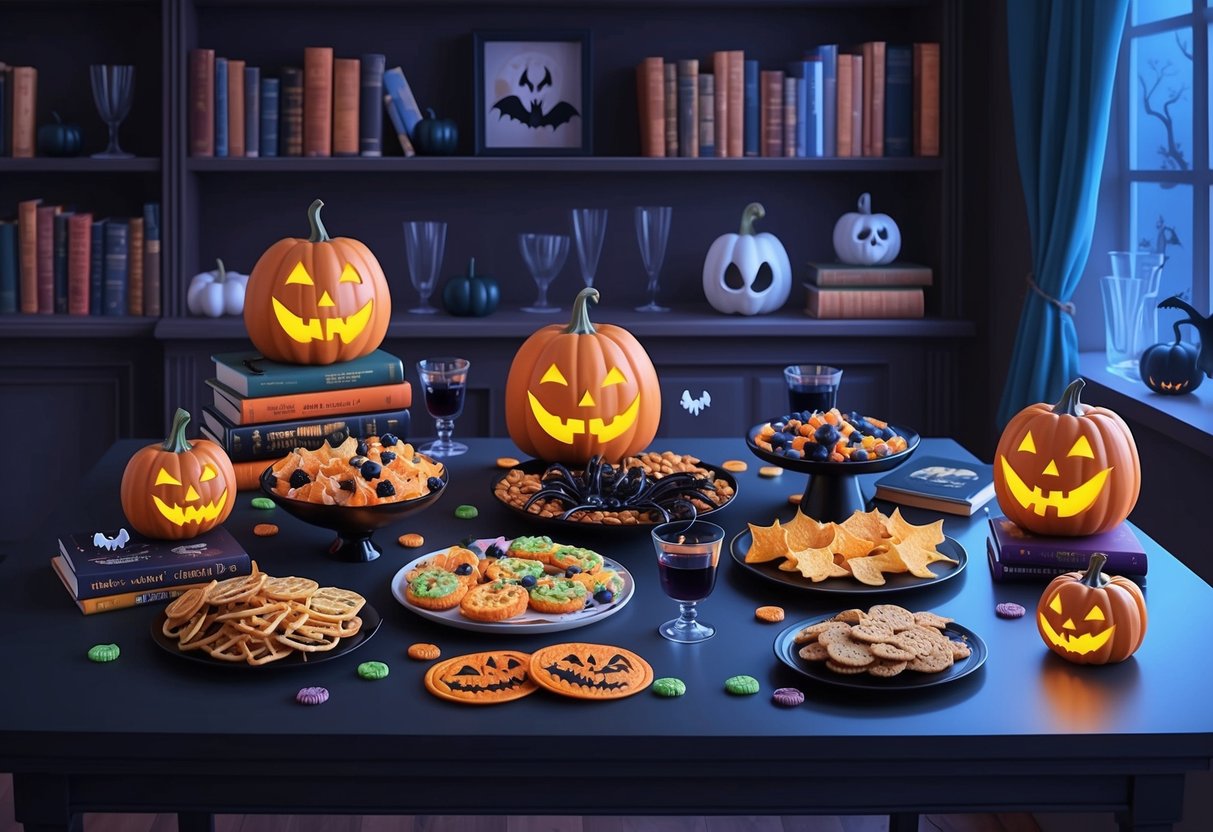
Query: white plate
x=530 y=621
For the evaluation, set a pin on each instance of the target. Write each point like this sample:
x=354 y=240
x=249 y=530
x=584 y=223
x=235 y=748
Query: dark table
x=154 y=733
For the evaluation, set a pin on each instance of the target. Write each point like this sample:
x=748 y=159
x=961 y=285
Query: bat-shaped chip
x=534 y=117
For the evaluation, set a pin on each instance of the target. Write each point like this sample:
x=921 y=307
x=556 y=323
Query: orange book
x=243 y=410
x=79 y=250
x=46 y=258
x=134 y=273
x=873 y=98
x=650 y=92
x=789 y=116
x=347 y=84
x=25 y=109
x=736 y=96
x=926 y=99
x=318 y=101
x=235 y=109
x=720 y=69
x=857 y=105
x=864 y=303
x=27 y=247
x=770 y=139
x=843 y=120
x=669 y=72
x=202 y=102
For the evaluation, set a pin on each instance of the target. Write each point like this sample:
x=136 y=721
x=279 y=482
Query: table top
x=1023 y=701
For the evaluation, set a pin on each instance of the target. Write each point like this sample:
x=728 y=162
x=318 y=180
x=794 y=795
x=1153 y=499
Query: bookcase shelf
x=81 y=164
x=27 y=327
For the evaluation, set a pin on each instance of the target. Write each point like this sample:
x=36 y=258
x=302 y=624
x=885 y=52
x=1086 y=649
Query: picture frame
x=550 y=114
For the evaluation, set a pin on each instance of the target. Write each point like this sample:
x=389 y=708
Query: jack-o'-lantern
x=747 y=272
x=176 y=490
x=1067 y=469
x=582 y=390
x=590 y=671
x=1092 y=618
x=866 y=239
x=1171 y=369
x=317 y=300
x=495 y=676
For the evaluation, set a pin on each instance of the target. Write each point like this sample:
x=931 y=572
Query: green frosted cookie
x=587 y=560
x=434 y=583
x=373 y=670
x=669 y=686
x=262 y=502
x=559 y=590
x=466 y=512
x=103 y=652
x=532 y=544
x=741 y=685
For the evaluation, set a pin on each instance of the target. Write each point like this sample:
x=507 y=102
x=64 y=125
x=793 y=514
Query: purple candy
x=788 y=697
x=1009 y=609
x=312 y=696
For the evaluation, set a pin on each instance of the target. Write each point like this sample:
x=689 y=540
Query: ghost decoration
x=866 y=239
x=747 y=272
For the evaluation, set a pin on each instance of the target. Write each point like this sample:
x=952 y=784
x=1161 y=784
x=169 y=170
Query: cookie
x=851 y=616
x=814 y=651
x=936 y=661
x=770 y=471
x=788 y=697
x=931 y=619
x=960 y=650
x=507 y=462
x=424 y=651
x=436 y=589
x=373 y=670
x=558 y=595
x=915 y=641
x=741 y=685
x=899 y=618
x=513 y=569
x=814 y=631
x=734 y=465
x=590 y=671
x=886 y=668
x=466 y=512
x=587 y=560
x=265 y=530
x=457 y=560
x=669 y=686
x=891 y=652
x=103 y=653
x=495 y=601
x=840 y=632
x=850 y=653
x=482 y=678
x=262 y=502
x=872 y=631
x=186 y=604
x=532 y=547
x=312 y=696
x=1009 y=609
x=769 y=614
x=795 y=499
x=845 y=670
x=412 y=540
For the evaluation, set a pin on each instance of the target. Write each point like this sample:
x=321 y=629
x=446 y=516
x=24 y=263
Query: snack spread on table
x=829 y=436
x=375 y=470
x=864 y=546
x=883 y=642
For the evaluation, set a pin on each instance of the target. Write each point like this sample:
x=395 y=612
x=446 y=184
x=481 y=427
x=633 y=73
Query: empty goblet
x=424 y=243
x=589 y=230
x=652 y=233
x=113 y=90
x=544 y=255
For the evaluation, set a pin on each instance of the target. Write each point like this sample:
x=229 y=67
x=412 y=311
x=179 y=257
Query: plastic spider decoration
x=603 y=487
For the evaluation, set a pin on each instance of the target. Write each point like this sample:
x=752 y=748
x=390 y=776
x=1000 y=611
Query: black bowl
x=355 y=524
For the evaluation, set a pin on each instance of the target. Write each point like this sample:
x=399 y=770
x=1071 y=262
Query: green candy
x=373 y=670
x=669 y=686
x=741 y=685
x=466 y=512
x=103 y=652
x=262 y=502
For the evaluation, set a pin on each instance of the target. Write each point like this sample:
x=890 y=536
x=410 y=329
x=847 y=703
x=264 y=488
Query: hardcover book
x=273 y=440
x=402 y=136
x=925 y=123
x=669 y=76
x=846 y=274
x=1013 y=546
x=269 y=117
x=102 y=567
x=827 y=55
x=252 y=111
x=117 y=250
x=347 y=81
x=235 y=108
x=202 y=102
x=27 y=254
x=290 y=131
x=898 y=100
x=650 y=90
x=842 y=116
x=397 y=86
x=151 y=259
x=688 y=108
x=134 y=270
x=720 y=71
x=221 y=113
x=10 y=266
x=25 y=110
x=243 y=410
x=249 y=374
x=951 y=486
x=46 y=258
x=737 y=106
x=318 y=101
x=119 y=600
x=707 y=114
x=60 y=261
x=752 y=125
x=96 y=268
x=80 y=247
x=864 y=303
x=370 y=114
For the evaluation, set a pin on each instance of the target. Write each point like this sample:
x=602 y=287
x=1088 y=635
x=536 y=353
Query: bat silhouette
x=525 y=81
x=1203 y=325
x=511 y=106
x=118 y=541
x=693 y=406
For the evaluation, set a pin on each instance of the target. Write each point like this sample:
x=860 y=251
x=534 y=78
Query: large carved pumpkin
x=317 y=301
x=1067 y=469
x=176 y=490
x=582 y=390
x=1091 y=618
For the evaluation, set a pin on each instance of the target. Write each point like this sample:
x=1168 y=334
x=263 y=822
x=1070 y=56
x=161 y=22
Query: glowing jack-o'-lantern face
x=497 y=676
x=582 y=390
x=1068 y=636
x=1067 y=469
x=317 y=301
x=178 y=489
x=1171 y=369
x=1091 y=618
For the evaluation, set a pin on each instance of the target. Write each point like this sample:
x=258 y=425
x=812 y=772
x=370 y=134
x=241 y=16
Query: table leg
x=903 y=822
x=41 y=803
x=195 y=822
x=1155 y=805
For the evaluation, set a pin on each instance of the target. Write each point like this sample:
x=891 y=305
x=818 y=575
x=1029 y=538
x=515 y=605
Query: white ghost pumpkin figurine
x=747 y=272
x=866 y=239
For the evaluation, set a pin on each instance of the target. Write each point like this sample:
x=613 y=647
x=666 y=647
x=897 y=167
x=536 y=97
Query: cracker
x=851 y=616
x=937 y=660
x=770 y=471
x=899 y=618
x=892 y=652
x=769 y=614
x=265 y=530
x=960 y=650
x=886 y=668
x=423 y=651
x=412 y=540
x=840 y=632
x=872 y=631
x=844 y=669
x=915 y=641
x=931 y=619
x=734 y=465
x=814 y=651
x=849 y=652
x=811 y=632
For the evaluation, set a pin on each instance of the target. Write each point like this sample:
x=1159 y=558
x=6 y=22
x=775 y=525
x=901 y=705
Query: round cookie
x=312 y=696
x=769 y=614
x=103 y=653
x=423 y=651
x=412 y=540
x=788 y=697
x=506 y=462
x=482 y=678
x=741 y=685
x=668 y=686
x=436 y=589
x=1009 y=609
x=532 y=547
x=513 y=569
x=587 y=560
x=770 y=471
x=736 y=466
x=265 y=530
x=373 y=670
x=494 y=601
x=466 y=512
x=262 y=503
x=590 y=671
x=558 y=595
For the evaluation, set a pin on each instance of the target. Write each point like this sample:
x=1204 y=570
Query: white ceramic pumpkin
x=747 y=272
x=216 y=293
x=866 y=239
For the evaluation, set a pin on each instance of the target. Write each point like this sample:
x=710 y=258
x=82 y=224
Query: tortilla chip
x=767 y=543
x=806 y=533
x=816 y=564
x=867 y=570
x=849 y=545
x=915 y=558
x=869 y=525
x=928 y=536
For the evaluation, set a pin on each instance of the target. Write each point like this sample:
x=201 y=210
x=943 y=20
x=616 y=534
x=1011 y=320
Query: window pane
x=1161 y=220
x=1160 y=120
x=1147 y=11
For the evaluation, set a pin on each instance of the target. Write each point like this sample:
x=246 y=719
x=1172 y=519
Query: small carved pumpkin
x=1171 y=369
x=747 y=272
x=482 y=678
x=582 y=390
x=1067 y=469
x=1091 y=618
x=866 y=239
x=317 y=301
x=590 y=671
x=177 y=490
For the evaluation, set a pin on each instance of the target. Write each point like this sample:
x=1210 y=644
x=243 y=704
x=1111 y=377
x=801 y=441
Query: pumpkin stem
x=865 y=203
x=1069 y=403
x=176 y=441
x=319 y=233
x=55 y=113
x=581 y=323
x=430 y=110
x=1095 y=577
x=222 y=274
x=471 y=267
x=753 y=211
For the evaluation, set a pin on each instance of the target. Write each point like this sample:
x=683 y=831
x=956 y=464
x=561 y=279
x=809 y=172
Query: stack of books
x=114 y=569
x=262 y=409
x=840 y=290
x=1017 y=554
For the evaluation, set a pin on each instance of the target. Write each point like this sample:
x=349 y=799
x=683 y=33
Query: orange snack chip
x=412 y=540
x=265 y=530
x=769 y=614
x=336 y=476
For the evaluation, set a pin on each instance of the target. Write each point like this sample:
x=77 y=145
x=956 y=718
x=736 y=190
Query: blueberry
x=792 y=453
x=299 y=478
x=826 y=435
x=388 y=440
x=434 y=483
x=859 y=455
x=785 y=418
x=886 y=433
x=778 y=426
x=494 y=551
x=818 y=453
x=385 y=488
x=386 y=457
x=604 y=596
x=856 y=437
x=572 y=570
x=370 y=470
x=463 y=569
x=362 y=449
x=356 y=461
x=346 y=485
x=528 y=581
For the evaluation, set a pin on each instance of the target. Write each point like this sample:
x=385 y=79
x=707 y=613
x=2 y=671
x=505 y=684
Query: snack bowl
x=354 y=525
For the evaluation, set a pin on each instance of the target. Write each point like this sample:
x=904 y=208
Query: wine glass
x=652 y=233
x=544 y=255
x=444 y=383
x=687 y=555
x=424 y=244
x=113 y=90
x=589 y=230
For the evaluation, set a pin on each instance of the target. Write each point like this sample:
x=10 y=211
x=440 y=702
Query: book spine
x=248 y=473
x=898 y=100
x=1028 y=553
x=60 y=262
x=864 y=303
x=139 y=578
x=347 y=82
x=370 y=114
x=80 y=247
x=27 y=253
x=402 y=136
x=772 y=112
x=134 y=283
x=397 y=86
x=688 y=108
x=875 y=276
x=707 y=114
x=117 y=243
x=878 y=97
x=221 y=112
x=362 y=372
x=857 y=119
x=290 y=127
x=807 y=77
x=669 y=74
x=926 y=99
x=652 y=107
x=842 y=116
x=6 y=128
x=202 y=102
x=330 y=402
x=126 y=600
x=268 y=145
x=828 y=55
x=235 y=108
x=46 y=258
x=252 y=111
x=25 y=109
x=720 y=70
x=1002 y=571
x=273 y=440
x=151 y=259
x=752 y=145
x=736 y=103
x=792 y=144
x=96 y=268
x=10 y=267
x=318 y=101
x=867 y=98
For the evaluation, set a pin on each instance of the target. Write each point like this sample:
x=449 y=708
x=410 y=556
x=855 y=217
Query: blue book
x=249 y=374
x=9 y=267
x=898 y=99
x=60 y=262
x=151 y=259
x=808 y=116
x=96 y=267
x=752 y=110
x=827 y=54
x=221 y=106
x=273 y=440
x=370 y=114
x=269 y=117
x=395 y=85
x=940 y=483
x=252 y=111
x=113 y=290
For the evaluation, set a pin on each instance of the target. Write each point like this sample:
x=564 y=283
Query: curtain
x=1062 y=56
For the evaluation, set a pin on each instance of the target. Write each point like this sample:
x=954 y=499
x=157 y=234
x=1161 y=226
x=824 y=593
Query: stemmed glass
x=113 y=90
x=687 y=555
x=589 y=230
x=544 y=255
x=652 y=233
x=424 y=244
x=444 y=383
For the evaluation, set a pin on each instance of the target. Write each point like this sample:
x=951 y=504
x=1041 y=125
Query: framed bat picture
x=533 y=93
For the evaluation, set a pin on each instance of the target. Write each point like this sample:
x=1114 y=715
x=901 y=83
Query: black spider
x=603 y=487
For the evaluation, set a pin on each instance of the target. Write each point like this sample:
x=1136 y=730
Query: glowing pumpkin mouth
x=180 y=515
x=322 y=329
x=1080 y=645
x=1076 y=502
x=564 y=430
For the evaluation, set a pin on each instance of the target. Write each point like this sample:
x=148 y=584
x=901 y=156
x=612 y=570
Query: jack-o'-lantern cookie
x=460 y=561
x=482 y=678
x=494 y=601
x=513 y=569
x=436 y=589
x=532 y=547
x=590 y=671
x=558 y=595
x=586 y=560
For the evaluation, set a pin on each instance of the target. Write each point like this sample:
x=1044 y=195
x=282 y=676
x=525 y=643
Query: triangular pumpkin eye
x=573 y=658
x=208 y=473
x=1096 y=614
x=1055 y=604
x=613 y=377
x=299 y=275
x=349 y=275
x=165 y=478
x=468 y=670
x=1082 y=448
x=553 y=374
x=1028 y=444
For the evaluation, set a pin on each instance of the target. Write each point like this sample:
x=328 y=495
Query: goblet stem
x=688 y=613
x=542 y=300
x=113 y=145
x=445 y=429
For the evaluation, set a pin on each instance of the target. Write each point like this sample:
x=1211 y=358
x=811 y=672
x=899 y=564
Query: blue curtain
x=1062 y=64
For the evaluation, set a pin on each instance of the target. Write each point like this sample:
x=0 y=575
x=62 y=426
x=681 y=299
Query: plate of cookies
x=885 y=647
x=528 y=584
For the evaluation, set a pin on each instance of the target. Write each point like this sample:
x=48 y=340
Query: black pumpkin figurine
x=59 y=139
x=433 y=136
x=1171 y=369
x=471 y=295
x=1204 y=325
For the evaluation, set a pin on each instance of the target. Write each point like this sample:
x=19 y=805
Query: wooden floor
x=482 y=823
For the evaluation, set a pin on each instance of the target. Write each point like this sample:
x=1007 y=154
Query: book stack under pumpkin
x=843 y=290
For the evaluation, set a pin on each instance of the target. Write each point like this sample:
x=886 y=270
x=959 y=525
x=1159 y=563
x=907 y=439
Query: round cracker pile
x=884 y=641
